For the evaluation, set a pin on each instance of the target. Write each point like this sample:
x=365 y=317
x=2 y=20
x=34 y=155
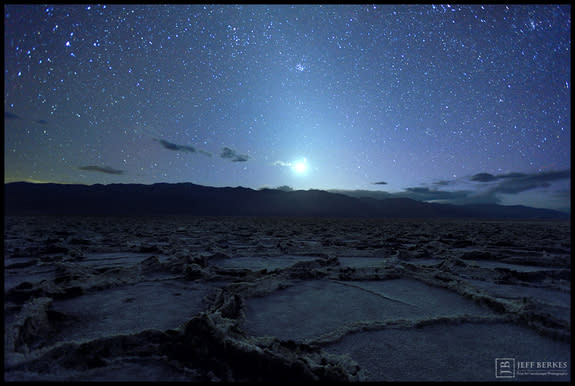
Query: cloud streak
x=226 y=153
x=230 y=154
x=483 y=177
x=489 y=187
x=282 y=163
x=486 y=177
x=9 y=116
x=426 y=194
x=184 y=148
x=481 y=188
x=172 y=146
x=513 y=183
x=101 y=169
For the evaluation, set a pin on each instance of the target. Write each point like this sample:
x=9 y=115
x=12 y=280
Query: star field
x=400 y=98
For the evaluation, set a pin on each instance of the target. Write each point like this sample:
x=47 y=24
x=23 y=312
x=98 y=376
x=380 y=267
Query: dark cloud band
x=101 y=169
x=230 y=154
x=172 y=146
x=510 y=183
x=176 y=147
x=8 y=116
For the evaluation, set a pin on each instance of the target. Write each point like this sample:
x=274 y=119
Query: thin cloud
x=8 y=116
x=426 y=194
x=282 y=163
x=487 y=189
x=172 y=146
x=241 y=158
x=422 y=194
x=487 y=177
x=204 y=152
x=513 y=183
x=228 y=153
x=101 y=169
x=517 y=182
x=491 y=187
x=176 y=147
x=483 y=177
x=512 y=175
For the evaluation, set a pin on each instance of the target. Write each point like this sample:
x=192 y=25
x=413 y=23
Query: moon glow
x=300 y=167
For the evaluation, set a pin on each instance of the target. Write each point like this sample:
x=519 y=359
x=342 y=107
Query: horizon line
x=337 y=191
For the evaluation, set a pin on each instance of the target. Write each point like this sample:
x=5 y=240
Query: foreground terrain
x=264 y=299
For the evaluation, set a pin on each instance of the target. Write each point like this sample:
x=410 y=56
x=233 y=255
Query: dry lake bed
x=277 y=299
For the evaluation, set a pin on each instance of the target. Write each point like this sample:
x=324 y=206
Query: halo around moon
x=300 y=166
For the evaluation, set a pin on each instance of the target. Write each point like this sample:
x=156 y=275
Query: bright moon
x=300 y=167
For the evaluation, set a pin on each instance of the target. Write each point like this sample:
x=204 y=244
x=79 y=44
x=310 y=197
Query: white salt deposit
x=257 y=263
x=116 y=259
x=361 y=262
x=129 y=309
x=312 y=308
x=461 y=352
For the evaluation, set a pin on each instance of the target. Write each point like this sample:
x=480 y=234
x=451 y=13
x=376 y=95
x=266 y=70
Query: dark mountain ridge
x=29 y=199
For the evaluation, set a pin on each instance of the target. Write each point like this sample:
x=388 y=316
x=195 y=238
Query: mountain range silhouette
x=30 y=199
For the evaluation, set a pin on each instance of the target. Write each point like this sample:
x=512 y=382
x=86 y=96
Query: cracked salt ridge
x=444 y=352
x=361 y=262
x=489 y=265
x=260 y=262
x=130 y=309
x=285 y=261
x=45 y=271
x=373 y=326
x=125 y=310
x=117 y=259
x=561 y=300
x=312 y=308
x=11 y=262
x=13 y=278
x=425 y=262
x=513 y=267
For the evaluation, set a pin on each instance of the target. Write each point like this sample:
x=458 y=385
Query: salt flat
x=445 y=352
x=127 y=309
x=115 y=259
x=361 y=262
x=262 y=299
x=513 y=267
x=312 y=308
x=257 y=263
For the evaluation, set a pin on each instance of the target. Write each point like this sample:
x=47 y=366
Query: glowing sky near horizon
x=401 y=98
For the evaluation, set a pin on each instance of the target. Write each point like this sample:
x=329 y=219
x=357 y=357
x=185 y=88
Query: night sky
x=460 y=103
